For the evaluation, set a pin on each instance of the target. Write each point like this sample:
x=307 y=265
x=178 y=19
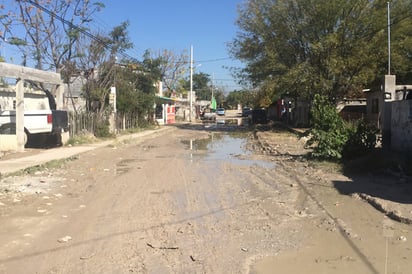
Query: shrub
x=329 y=133
x=361 y=140
x=332 y=138
x=102 y=129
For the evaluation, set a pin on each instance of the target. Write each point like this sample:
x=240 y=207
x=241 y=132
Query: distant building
x=390 y=109
x=73 y=97
x=352 y=109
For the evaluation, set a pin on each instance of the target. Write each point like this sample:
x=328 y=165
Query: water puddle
x=225 y=147
x=239 y=122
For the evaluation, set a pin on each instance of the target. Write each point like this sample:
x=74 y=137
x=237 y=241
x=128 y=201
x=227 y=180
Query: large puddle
x=228 y=147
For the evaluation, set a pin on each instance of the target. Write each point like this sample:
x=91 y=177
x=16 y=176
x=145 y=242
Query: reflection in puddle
x=220 y=122
x=225 y=147
x=197 y=144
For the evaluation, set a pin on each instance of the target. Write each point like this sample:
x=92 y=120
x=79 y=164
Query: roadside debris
x=64 y=239
x=162 y=247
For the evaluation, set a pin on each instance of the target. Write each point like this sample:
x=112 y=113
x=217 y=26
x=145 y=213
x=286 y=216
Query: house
x=352 y=109
x=73 y=98
x=294 y=112
x=374 y=104
x=390 y=109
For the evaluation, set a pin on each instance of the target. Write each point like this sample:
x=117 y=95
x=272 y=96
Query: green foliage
x=17 y=41
x=245 y=98
x=103 y=129
x=81 y=139
x=200 y=86
x=361 y=140
x=328 y=134
x=119 y=38
x=328 y=47
x=334 y=139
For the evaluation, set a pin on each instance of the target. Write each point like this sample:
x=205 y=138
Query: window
x=159 y=112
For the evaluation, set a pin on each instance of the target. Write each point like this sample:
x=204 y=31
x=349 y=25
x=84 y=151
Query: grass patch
x=54 y=164
x=82 y=139
x=327 y=166
x=89 y=138
x=138 y=129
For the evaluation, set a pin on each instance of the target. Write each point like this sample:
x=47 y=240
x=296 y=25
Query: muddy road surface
x=192 y=200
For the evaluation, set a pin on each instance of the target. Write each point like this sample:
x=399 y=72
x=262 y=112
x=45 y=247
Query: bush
x=361 y=140
x=334 y=139
x=103 y=129
x=329 y=133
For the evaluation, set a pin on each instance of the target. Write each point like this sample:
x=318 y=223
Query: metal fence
x=86 y=122
x=126 y=121
x=83 y=122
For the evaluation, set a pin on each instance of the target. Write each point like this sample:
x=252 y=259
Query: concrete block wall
x=8 y=142
x=401 y=125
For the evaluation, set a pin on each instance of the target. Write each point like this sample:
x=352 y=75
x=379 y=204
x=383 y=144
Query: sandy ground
x=361 y=224
x=163 y=205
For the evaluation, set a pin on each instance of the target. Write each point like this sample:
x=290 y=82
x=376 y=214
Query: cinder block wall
x=401 y=125
x=8 y=142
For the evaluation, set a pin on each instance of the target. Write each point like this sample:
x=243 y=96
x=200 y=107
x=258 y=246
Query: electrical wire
x=106 y=45
x=97 y=39
x=71 y=25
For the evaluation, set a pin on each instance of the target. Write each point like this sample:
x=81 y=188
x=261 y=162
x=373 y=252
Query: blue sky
x=207 y=25
x=175 y=25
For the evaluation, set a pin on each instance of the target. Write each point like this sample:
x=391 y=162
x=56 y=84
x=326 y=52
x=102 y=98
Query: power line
x=106 y=45
x=100 y=24
x=214 y=60
x=71 y=25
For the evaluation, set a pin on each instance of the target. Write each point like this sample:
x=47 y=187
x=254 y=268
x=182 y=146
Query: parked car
x=220 y=111
x=208 y=114
x=246 y=111
x=258 y=116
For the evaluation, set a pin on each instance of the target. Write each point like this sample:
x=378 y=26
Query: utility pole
x=191 y=84
x=389 y=39
x=213 y=80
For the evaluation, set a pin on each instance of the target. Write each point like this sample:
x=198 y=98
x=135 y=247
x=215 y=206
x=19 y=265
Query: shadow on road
x=388 y=188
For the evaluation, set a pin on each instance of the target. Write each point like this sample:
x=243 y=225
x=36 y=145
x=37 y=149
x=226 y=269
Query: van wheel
x=26 y=137
x=11 y=129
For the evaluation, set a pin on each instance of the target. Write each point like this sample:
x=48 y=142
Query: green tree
x=245 y=98
x=401 y=44
x=99 y=65
x=318 y=46
x=201 y=85
x=334 y=139
x=204 y=88
x=136 y=89
x=127 y=93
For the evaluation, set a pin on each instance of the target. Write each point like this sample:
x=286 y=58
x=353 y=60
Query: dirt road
x=192 y=201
